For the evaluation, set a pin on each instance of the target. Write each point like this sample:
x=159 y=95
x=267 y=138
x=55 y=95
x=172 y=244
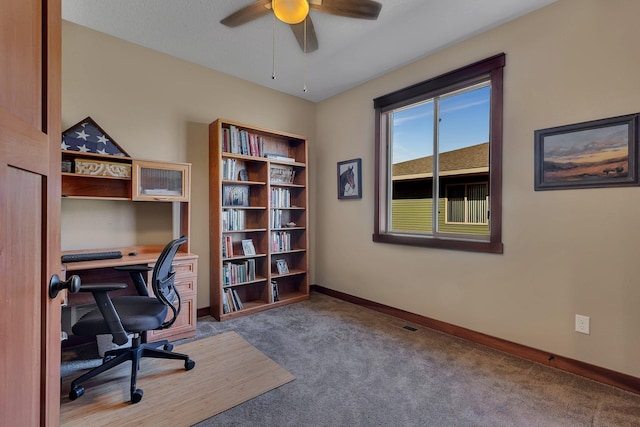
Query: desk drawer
x=182 y=267
x=184 y=326
x=185 y=267
x=186 y=282
x=185 y=285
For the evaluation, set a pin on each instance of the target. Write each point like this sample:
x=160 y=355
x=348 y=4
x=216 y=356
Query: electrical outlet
x=582 y=324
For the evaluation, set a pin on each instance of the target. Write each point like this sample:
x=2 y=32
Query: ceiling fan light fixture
x=290 y=11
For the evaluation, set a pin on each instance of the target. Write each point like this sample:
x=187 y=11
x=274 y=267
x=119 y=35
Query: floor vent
x=409 y=328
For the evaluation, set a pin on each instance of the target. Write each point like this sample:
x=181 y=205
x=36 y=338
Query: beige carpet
x=228 y=371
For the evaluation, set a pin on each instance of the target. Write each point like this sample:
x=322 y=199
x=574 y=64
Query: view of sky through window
x=464 y=123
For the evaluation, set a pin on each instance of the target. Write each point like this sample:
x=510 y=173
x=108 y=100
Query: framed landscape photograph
x=600 y=153
x=350 y=179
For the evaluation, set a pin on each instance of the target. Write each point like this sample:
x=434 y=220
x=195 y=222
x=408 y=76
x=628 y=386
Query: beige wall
x=159 y=107
x=565 y=252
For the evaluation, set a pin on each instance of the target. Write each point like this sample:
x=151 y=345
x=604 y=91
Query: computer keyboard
x=91 y=256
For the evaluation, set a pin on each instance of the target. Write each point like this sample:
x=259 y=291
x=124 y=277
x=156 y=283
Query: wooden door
x=30 y=33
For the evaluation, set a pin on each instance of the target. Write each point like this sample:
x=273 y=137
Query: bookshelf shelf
x=243 y=257
x=245 y=230
x=271 y=168
x=290 y=273
x=237 y=182
x=288 y=252
x=258 y=280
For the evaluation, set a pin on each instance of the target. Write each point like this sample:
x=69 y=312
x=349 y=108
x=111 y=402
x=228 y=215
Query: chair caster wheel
x=136 y=396
x=189 y=365
x=168 y=347
x=76 y=392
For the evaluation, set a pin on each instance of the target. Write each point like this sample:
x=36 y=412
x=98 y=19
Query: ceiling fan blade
x=249 y=13
x=312 y=40
x=361 y=9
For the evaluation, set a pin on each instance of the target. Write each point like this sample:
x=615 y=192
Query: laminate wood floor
x=228 y=371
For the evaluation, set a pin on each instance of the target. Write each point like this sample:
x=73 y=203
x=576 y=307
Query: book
x=280 y=198
x=235 y=195
x=282 y=174
x=276 y=218
x=233 y=220
x=251 y=274
x=279 y=157
x=247 y=247
x=227 y=247
x=236 y=299
x=226 y=295
x=280 y=241
x=229 y=169
x=274 y=291
x=226 y=308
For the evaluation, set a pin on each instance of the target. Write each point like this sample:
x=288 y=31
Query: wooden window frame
x=491 y=68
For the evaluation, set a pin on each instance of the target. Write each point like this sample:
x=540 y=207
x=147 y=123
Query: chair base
x=137 y=351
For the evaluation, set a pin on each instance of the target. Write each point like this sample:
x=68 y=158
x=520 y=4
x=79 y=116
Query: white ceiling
x=351 y=51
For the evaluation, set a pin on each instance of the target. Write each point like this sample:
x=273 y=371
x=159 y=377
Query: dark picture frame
x=350 y=179
x=594 y=154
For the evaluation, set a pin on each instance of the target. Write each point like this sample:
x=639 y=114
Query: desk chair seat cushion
x=136 y=313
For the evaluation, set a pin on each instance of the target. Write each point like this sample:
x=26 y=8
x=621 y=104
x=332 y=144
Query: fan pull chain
x=304 y=84
x=273 y=58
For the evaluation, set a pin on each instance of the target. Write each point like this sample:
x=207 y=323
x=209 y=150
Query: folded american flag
x=87 y=137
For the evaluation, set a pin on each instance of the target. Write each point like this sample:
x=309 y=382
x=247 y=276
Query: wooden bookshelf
x=258 y=192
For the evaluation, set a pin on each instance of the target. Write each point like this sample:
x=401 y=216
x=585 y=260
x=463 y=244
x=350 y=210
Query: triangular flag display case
x=87 y=136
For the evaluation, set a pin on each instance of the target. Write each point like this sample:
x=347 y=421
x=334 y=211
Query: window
x=438 y=161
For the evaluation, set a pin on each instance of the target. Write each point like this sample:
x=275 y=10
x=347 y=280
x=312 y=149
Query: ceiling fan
x=360 y=9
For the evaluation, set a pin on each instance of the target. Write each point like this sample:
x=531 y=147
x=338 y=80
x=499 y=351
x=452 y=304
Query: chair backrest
x=162 y=280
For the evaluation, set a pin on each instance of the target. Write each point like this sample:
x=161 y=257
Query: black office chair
x=134 y=315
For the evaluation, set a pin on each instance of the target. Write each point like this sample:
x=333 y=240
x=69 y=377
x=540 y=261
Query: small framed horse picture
x=350 y=179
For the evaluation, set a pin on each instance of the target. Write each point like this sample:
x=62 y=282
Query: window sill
x=440 y=243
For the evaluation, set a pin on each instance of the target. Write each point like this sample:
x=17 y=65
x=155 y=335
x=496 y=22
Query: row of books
x=282 y=174
x=280 y=241
x=233 y=219
x=239 y=141
x=238 y=272
x=227 y=247
x=229 y=170
x=276 y=218
x=280 y=198
x=231 y=301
